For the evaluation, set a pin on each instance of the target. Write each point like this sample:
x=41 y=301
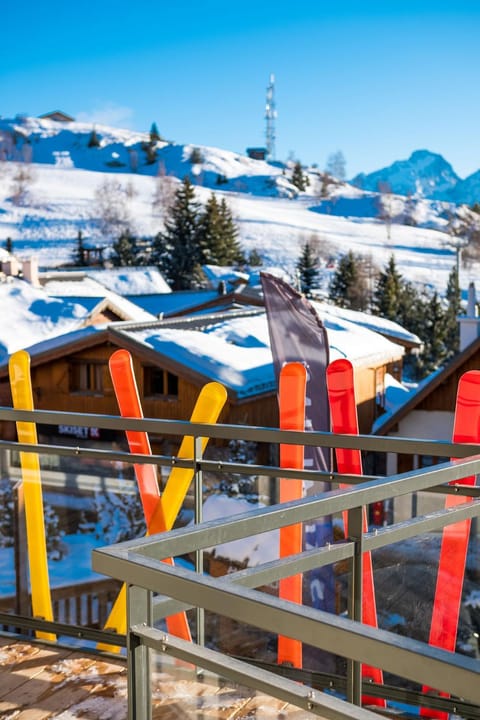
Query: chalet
x=174 y=359
x=57 y=116
x=428 y=413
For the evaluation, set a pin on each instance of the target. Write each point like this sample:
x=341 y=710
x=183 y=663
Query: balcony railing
x=244 y=602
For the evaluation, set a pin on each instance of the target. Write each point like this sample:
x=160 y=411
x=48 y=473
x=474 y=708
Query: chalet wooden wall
x=52 y=391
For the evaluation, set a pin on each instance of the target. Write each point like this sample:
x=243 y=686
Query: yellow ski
x=207 y=409
x=21 y=387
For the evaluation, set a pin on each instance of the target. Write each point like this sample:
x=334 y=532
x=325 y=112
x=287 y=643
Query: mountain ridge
x=424 y=174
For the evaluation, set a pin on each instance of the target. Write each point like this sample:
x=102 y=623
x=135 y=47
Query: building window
x=87 y=377
x=159 y=382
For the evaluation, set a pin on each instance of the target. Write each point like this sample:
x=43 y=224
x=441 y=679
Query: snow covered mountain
x=53 y=174
x=424 y=173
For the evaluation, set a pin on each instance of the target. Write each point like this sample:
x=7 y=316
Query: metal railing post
x=355 y=534
x=200 y=612
x=139 y=612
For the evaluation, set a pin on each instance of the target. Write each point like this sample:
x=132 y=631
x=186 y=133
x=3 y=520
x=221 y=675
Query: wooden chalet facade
x=427 y=415
x=70 y=373
x=75 y=378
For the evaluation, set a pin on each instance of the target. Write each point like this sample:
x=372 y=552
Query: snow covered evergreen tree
x=93 y=141
x=308 y=269
x=454 y=309
x=434 y=336
x=218 y=235
x=154 y=134
x=175 y=251
x=387 y=292
x=349 y=284
x=124 y=251
x=298 y=178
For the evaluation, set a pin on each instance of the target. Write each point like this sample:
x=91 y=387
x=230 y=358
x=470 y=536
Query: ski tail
x=343 y=410
x=291 y=396
x=455 y=537
x=21 y=387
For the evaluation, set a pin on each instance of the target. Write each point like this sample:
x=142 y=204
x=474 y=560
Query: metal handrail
x=156 y=590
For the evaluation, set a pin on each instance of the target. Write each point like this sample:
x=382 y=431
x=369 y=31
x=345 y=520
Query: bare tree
x=164 y=193
x=111 y=209
x=336 y=165
x=385 y=206
x=23 y=179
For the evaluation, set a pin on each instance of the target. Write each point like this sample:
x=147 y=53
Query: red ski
x=343 y=411
x=291 y=400
x=125 y=387
x=453 y=551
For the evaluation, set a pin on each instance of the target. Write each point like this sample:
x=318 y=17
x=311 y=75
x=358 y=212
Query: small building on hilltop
x=57 y=116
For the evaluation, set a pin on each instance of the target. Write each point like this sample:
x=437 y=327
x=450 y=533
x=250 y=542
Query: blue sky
x=376 y=80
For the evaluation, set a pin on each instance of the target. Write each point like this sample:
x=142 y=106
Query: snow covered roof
x=387 y=328
x=233 y=352
x=29 y=314
x=131 y=280
x=92 y=295
x=232 y=349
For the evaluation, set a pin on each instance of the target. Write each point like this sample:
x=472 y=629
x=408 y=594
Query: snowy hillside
x=51 y=180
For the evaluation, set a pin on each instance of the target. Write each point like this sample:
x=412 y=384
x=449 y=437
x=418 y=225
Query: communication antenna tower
x=270 y=115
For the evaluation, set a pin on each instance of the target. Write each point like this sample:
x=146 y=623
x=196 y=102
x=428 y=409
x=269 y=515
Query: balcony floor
x=39 y=680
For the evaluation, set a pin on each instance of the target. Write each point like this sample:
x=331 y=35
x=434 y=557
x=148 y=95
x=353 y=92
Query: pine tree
x=79 y=254
x=93 y=141
x=254 y=259
x=9 y=245
x=349 y=284
x=218 y=235
x=124 y=251
x=434 y=336
x=308 y=269
x=176 y=250
x=454 y=309
x=196 y=156
x=298 y=178
x=154 y=134
x=387 y=292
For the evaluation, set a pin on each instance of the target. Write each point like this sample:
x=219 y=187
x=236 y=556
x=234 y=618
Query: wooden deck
x=40 y=681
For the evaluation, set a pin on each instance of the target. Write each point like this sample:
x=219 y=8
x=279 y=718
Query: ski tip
x=293 y=369
x=19 y=357
x=339 y=365
x=214 y=391
x=120 y=356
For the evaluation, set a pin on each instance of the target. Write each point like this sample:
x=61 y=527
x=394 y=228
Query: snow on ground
x=273 y=217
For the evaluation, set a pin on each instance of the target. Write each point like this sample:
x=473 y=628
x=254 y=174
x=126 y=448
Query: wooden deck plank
x=40 y=682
